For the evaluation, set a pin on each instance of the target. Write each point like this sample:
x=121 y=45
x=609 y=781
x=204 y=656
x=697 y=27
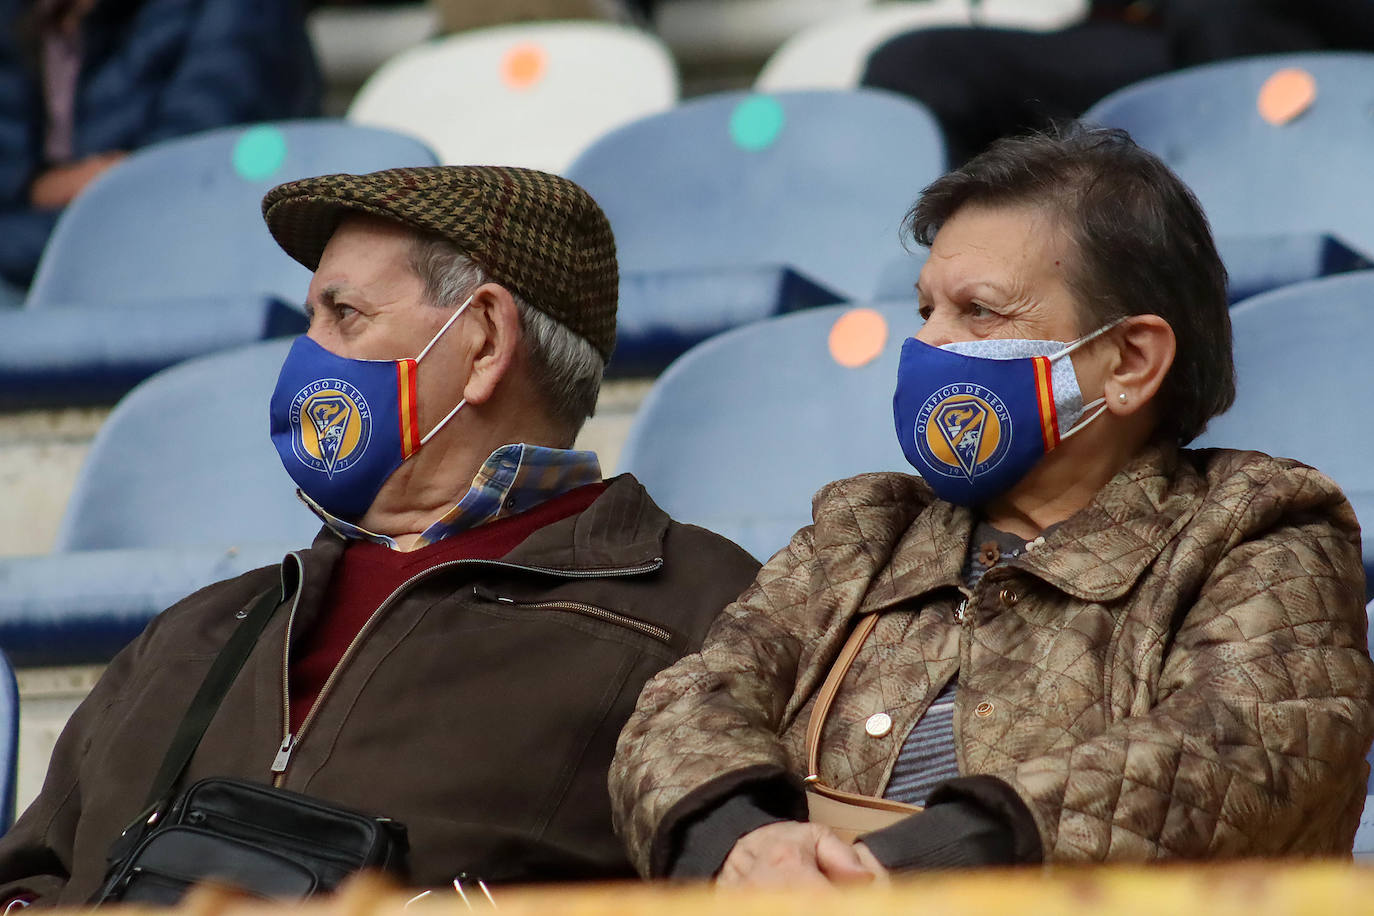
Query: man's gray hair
x=565 y=368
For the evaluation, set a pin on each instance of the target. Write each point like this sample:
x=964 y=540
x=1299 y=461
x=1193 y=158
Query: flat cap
x=539 y=235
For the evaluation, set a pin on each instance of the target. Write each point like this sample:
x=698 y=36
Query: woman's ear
x=1145 y=351
x=496 y=322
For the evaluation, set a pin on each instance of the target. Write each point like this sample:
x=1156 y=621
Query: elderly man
x=462 y=643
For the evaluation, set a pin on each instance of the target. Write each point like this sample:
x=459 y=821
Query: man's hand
x=792 y=853
x=59 y=185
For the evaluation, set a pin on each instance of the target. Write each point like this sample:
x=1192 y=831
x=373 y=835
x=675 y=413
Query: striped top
x=927 y=757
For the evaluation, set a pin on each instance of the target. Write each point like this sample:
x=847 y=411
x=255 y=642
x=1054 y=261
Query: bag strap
x=826 y=695
x=222 y=672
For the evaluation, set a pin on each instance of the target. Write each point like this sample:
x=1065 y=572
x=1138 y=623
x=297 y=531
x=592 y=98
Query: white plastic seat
x=714 y=31
x=529 y=94
x=832 y=54
x=353 y=41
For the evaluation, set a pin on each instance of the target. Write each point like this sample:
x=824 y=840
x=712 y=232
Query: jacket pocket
x=625 y=621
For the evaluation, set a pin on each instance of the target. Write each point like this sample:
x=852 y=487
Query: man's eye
x=979 y=311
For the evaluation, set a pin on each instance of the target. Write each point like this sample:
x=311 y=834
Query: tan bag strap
x=826 y=695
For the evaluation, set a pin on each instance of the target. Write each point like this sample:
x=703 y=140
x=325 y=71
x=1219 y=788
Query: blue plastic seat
x=740 y=433
x=1274 y=194
x=1303 y=374
x=9 y=741
x=817 y=182
x=166 y=257
x=182 y=487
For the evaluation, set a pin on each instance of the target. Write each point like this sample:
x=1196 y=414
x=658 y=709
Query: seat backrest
x=739 y=433
x=529 y=94
x=183 y=218
x=9 y=741
x=833 y=53
x=816 y=180
x=1303 y=373
x=185 y=460
x=1309 y=175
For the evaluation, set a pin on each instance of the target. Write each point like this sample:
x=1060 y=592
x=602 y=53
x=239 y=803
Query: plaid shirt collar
x=515 y=478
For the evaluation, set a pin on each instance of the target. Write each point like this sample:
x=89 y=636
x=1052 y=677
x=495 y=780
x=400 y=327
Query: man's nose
x=937 y=331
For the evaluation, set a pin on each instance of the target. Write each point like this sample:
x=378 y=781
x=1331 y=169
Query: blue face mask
x=343 y=426
x=974 y=417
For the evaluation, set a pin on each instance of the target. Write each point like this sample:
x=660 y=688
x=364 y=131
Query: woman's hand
x=791 y=853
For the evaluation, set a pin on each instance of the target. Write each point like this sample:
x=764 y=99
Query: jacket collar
x=1095 y=555
x=622 y=529
x=1099 y=553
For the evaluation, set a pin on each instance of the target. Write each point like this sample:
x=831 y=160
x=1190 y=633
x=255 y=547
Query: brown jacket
x=1178 y=670
x=485 y=726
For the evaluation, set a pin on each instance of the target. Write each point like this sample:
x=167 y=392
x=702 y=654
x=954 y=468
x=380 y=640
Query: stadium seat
x=9 y=741
x=1302 y=374
x=182 y=487
x=1274 y=146
x=166 y=257
x=528 y=94
x=832 y=53
x=352 y=41
x=814 y=181
x=738 y=32
x=740 y=432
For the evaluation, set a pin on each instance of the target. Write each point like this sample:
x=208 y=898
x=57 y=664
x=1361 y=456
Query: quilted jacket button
x=878 y=724
x=1007 y=597
x=983 y=710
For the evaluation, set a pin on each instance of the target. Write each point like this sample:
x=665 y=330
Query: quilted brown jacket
x=1179 y=670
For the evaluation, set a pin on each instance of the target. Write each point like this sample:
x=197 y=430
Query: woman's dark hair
x=1142 y=247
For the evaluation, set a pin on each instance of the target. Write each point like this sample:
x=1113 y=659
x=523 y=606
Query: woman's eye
x=979 y=311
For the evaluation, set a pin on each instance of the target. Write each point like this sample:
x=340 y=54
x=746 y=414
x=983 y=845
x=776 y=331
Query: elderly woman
x=1069 y=639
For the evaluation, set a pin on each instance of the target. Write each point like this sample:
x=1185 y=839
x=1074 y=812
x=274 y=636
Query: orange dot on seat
x=1287 y=94
x=858 y=337
x=523 y=66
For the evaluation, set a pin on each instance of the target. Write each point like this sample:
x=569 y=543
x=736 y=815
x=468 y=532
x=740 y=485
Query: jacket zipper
x=577 y=607
x=290 y=742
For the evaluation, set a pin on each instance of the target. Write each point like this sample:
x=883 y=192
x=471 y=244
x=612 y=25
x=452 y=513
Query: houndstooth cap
x=539 y=235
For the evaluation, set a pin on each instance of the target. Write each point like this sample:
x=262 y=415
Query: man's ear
x=496 y=322
x=1145 y=352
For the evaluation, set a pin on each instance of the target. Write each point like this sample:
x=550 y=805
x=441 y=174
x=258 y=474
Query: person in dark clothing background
x=987 y=83
x=84 y=82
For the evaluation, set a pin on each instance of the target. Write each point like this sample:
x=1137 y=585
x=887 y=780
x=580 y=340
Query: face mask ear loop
x=435 y=339
x=440 y=425
x=1100 y=404
x=1086 y=339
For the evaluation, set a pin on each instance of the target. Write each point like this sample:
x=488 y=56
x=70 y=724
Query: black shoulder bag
x=266 y=841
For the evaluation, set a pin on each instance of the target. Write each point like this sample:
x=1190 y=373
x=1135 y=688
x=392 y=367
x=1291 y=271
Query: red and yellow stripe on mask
x=1044 y=397
x=406 y=370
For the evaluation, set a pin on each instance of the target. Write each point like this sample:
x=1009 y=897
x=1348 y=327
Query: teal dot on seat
x=756 y=123
x=259 y=153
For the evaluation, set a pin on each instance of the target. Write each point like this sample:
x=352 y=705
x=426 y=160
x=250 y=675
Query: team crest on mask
x=331 y=425
x=963 y=430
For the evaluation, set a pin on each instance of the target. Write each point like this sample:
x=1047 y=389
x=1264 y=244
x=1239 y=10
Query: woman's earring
x=1121 y=396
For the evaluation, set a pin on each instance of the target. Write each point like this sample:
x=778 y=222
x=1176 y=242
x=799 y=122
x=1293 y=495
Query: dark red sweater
x=368 y=573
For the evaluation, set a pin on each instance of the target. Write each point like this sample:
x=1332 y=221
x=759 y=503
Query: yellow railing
x=1247 y=889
